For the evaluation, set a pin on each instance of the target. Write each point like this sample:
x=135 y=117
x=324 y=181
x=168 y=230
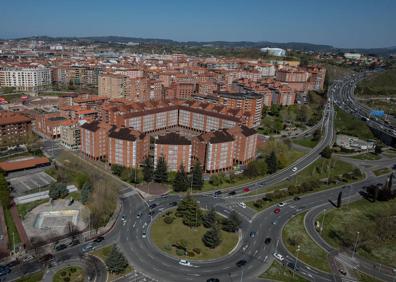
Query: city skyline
x=344 y=25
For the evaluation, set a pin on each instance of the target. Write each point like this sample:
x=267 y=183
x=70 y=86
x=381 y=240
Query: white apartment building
x=26 y=79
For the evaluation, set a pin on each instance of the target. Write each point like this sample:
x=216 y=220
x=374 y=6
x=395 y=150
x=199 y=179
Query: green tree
x=209 y=219
x=317 y=135
x=252 y=170
x=272 y=163
x=215 y=180
x=117 y=169
x=232 y=223
x=326 y=153
x=115 y=261
x=211 y=238
x=161 y=171
x=197 y=178
x=148 y=169
x=85 y=192
x=181 y=182
x=189 y=210
x=135 y=176
x=378 y=149
x=4 y=191
x=58 y=190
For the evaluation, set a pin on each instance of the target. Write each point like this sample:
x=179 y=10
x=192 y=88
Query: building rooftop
x=7 y=117
x=172 y=139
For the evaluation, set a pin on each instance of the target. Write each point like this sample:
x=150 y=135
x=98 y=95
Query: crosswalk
x=136 y=276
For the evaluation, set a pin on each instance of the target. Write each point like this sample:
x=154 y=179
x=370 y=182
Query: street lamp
x=321 y=226
x=356 y=242
x=295 y=264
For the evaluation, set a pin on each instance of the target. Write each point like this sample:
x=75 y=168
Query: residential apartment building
x=175 y=149
x=15 y=128
x=245 y=144
x=26 y=79
x=70 y=134
x=114 y=85
x=94 y=139
x=50 y=124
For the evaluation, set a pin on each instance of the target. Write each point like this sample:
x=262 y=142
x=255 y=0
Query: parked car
x=217 y=193
x=4 y=270
x=241 y=263
x=99 y=239
x=74 y=242
x=173 y=204
x=185 y=262
x=281 y=204
x=12 y=263
x=279 y=256
x=60 y=247
x=88 y=247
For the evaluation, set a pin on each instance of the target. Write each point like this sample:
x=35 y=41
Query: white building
x=278 y=52
x=352 y=56
x=26 y=79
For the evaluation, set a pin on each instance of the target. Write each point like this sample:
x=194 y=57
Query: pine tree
x=197 y=179
x=326 y=153
x=211 y=238
x=161 y=171
x=148 y=169
x=85 y=192
x=232 y=223
x=116 y=262
x=181 y=182
x=189 y=210
x=272 y=162
x=209 y=220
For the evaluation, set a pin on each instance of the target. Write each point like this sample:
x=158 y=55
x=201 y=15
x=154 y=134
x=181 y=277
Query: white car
x=144 y=234
x=281 y=204
x=279 y=256
x=294 y=169
x=242 y=205
x=185 y=262
x=27 y=258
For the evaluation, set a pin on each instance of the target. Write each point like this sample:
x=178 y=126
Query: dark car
x=60 y=247
x=252 y=234
x=153 y=206
x=267 y=240
x=4 y=270
x=213 y=280
x=394 y=166
x=13 y=263
x=173 y=204
x=241 y=263
x=151 y=213
x=74 y=242
x=47 y=257
x=296 y=198
x=267 y=199
x=217 y=193
x=293 y=266
x=99 y=239
x=232 y=193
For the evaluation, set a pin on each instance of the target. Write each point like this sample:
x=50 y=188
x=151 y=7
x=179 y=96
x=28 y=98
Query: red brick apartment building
x=50 y=124
x=175 y=149
x=94 y=139
x=14 y=128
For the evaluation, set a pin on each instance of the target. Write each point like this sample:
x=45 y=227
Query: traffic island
x=279 y=272
x=171 y=235
x=70 y=274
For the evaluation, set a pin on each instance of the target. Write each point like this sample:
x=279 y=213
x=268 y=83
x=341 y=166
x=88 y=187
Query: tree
x=197 y=179
x=189 y=210
x=58 y=190
x=181 y=182
x=215 y=180
x=85 y=192
x=161 y=171
x=317 y=135
x=326 y=153
x=378 y=149
x=232 y=223
x=116 y=262
x=116 y=169
x=209 y=219
x=272 y=163
x=148 y=169
x=4 y=192
x=211 y=238
x=251 y=170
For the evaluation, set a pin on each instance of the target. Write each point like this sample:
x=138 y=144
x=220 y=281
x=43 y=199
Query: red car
x=246 y=189
x=277 y=210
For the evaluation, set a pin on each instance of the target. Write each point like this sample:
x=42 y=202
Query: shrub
x=168 y=220
x=197 y=251
x=180 y=252
x=190 y=253
x=168 y=247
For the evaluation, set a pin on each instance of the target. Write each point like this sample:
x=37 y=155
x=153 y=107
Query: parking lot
x=25 y=183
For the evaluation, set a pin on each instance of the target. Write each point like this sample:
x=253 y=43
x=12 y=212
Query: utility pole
x=295 y=264
x=356 y=242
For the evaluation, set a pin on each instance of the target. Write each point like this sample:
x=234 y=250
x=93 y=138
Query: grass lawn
x=164 y=235
x=32 y=277
x=13 y=236
x=341 y=227
x=102 y=253
x=278 y=272
x=378 y=84
x=362 y=277
x=382 y=171
x=367 y=156
x=347 y=124
x=306 y=142
x=294 y=234
x=70 y=274
x=24 y=209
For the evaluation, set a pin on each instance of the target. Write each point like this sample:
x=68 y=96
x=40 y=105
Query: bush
x=168 y=220
x=180 y=252
x=190 y=254
x=58 y=190
x=197 y=251
x=168 y=247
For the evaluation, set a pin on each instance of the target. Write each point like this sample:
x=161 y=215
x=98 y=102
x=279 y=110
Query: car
x=74 y=242
x=296 y=198
x=274 y=223
x=88 y=247
x=292 y=265
x=232 y=193
x=185 y=262
x=12 y=263
x=164 y=196
x=4 y=270
x=252 y=234
x=241 y=263
x=99 y=239
x=217 y=193
x=277 y=210
x=139 y=214
x=153 y=206
x=294 y=169
x=246 y=189
x=342 y=271
x=151 y=213
x=266 y=199
x=242 y=205
x=47 y=257
x=394 y=166
x=267 y=240
x=144 y=235
x=60 y=247
x=213 y=280
x=281 y=204
x=173 y=204
x=278 y=256
x=123 y=218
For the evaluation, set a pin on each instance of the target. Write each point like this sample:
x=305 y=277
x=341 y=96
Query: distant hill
x=301 y=46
